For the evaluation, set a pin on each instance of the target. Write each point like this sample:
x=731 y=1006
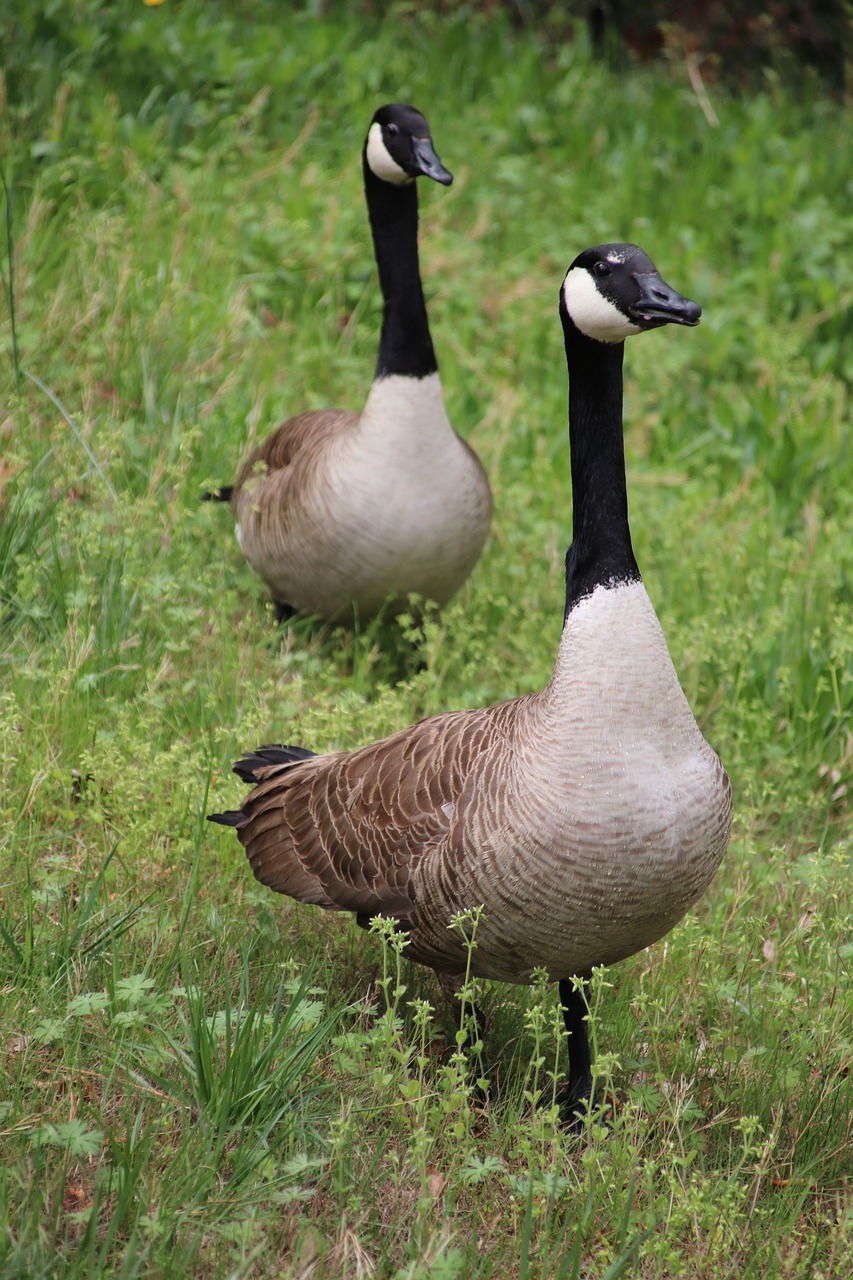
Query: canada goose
x=587 y=818
x=338 y=509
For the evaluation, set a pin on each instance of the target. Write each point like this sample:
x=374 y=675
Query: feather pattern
x=585 y=825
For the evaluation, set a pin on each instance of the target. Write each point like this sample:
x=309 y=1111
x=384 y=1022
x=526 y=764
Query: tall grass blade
x=69 y=421
x=9 y=283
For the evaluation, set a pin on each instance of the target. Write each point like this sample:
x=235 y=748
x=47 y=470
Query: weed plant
x=201 y=1079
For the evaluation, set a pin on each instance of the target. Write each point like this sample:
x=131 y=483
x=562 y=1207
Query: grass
x=201 y=1079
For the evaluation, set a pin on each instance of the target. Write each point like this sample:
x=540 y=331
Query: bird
x=342 y=513
x=584 y=819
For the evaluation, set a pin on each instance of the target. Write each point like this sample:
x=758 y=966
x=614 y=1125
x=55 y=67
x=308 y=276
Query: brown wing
x=345 y=831
x=297 y=443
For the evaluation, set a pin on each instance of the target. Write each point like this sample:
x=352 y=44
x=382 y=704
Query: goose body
x=338 y=509
x=586 y=818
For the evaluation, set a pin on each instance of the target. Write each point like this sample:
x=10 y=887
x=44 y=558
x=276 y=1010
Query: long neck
x=601 y=552
x=405 y=345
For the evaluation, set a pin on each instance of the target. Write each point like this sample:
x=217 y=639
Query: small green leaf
x=89 y=1002
x=133 y=989
x=73 y=1136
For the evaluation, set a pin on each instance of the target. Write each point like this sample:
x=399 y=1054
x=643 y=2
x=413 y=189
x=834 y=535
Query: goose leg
x=576 y=1094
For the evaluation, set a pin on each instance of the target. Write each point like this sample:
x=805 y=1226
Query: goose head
x=615 y=290
x=399 y=147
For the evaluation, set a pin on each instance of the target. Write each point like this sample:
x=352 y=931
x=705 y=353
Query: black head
x=399 y=147
x=615 y=290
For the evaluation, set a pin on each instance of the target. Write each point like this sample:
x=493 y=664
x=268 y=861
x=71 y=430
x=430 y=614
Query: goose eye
x=601 y=269
x=391 y=128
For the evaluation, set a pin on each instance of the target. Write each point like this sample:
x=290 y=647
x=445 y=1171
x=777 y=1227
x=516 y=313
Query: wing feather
x=266 y=501
x=297 y=442
x=347 y=830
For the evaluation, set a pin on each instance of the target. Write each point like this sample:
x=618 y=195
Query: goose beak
x=660 y=304
x=428 y=163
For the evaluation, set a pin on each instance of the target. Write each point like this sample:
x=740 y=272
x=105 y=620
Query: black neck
x=601 y=552
x=405 y=345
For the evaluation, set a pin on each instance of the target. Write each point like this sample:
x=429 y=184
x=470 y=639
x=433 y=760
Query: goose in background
x=337 y=510
x=585 y=819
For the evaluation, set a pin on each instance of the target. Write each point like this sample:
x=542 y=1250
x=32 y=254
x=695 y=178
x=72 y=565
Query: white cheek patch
x=593 y=314
x=380 y=160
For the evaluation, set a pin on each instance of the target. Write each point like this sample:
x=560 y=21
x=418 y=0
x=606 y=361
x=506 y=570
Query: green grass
x=201 y=1079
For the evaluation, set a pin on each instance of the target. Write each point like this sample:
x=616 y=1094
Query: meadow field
x=201 y=1079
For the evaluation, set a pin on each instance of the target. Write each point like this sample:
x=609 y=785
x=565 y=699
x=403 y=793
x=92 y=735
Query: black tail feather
x=231 y=818
x=265 y=756
x=223 y=494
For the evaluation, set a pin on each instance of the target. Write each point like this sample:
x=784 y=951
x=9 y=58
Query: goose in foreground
x=585 y=819
x=338 y=509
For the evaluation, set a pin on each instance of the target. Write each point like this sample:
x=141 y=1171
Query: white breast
x=614 y=811
x=623 y=744
x=401 y=506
